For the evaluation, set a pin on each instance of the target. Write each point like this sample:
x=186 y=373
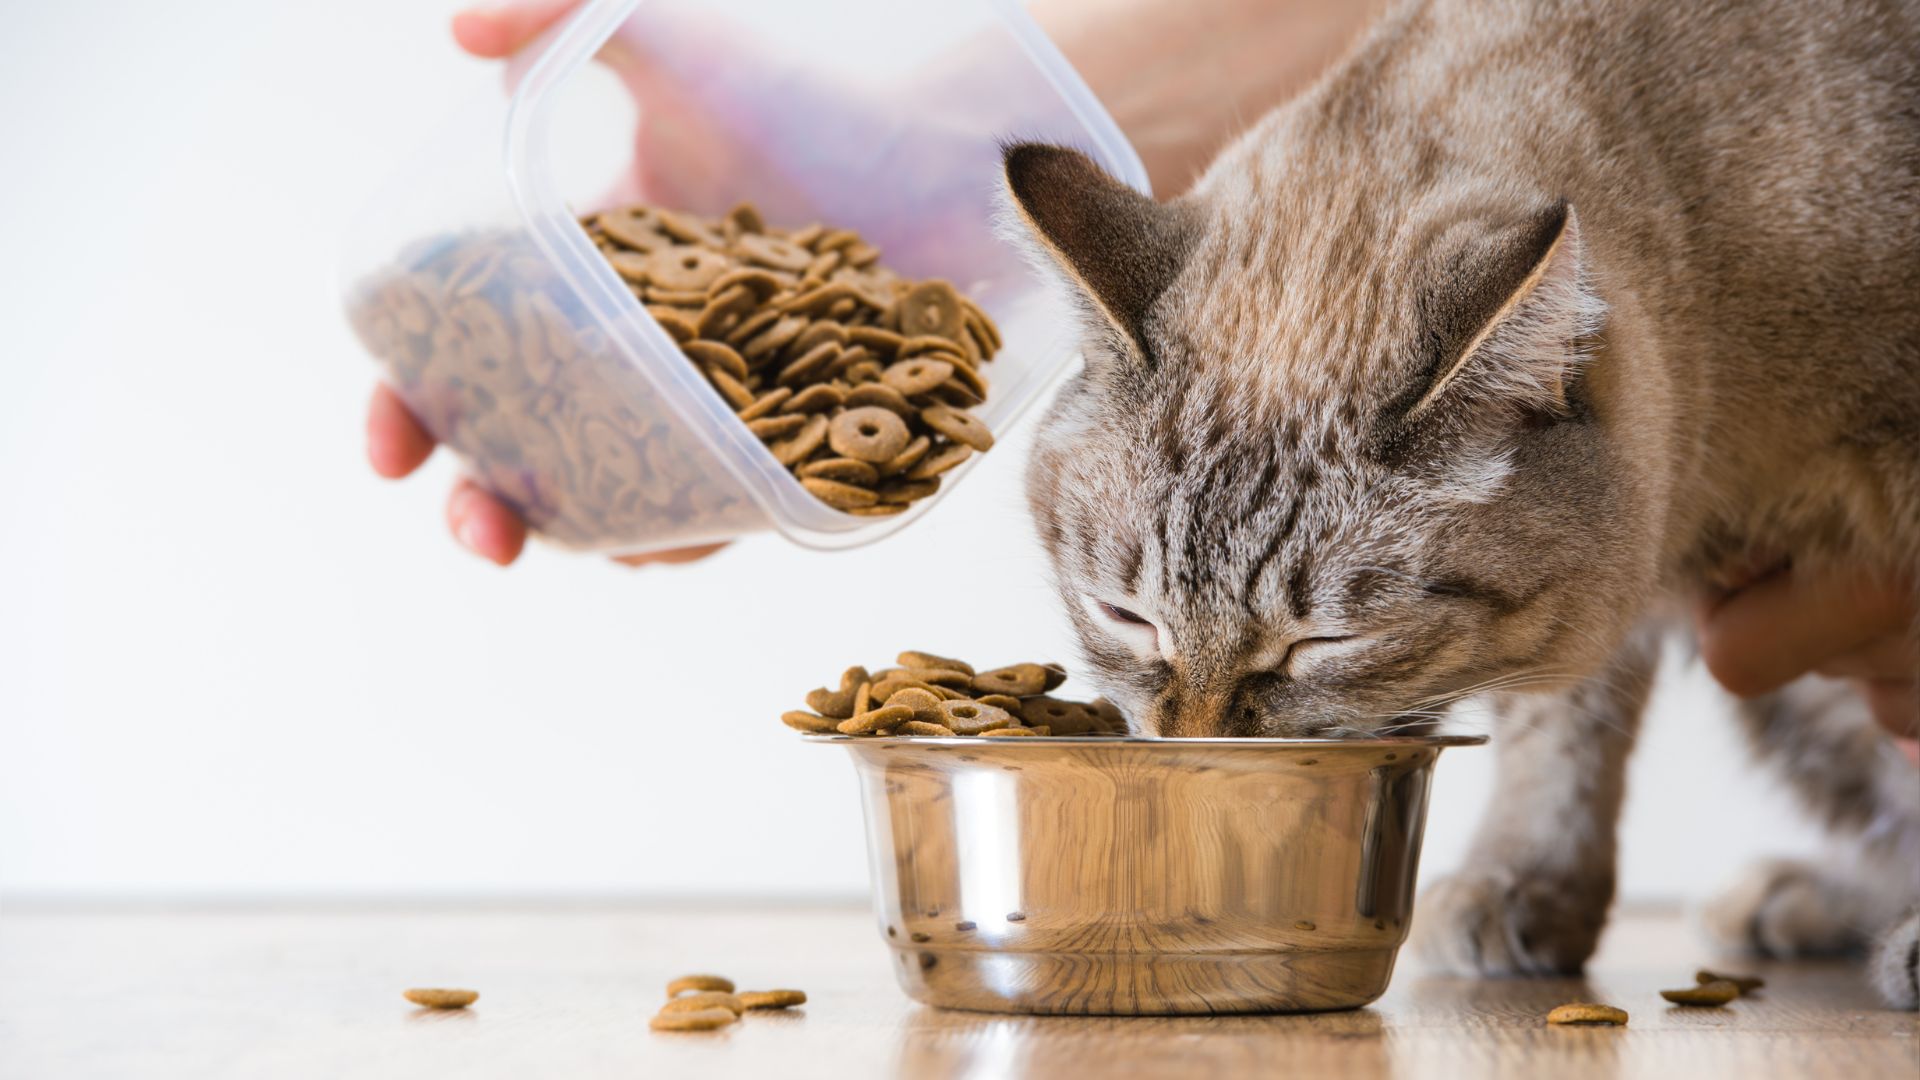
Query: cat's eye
x=1120 y=614
x=1306 y=646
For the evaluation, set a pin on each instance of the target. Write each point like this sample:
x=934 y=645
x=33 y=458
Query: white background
x=234 y=663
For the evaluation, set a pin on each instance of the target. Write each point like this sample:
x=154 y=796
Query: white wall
x=233 y=662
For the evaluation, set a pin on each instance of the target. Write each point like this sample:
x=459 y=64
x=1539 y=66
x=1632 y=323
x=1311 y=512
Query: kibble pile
x=935 y=695
x=707 y=1002
x=856 y=379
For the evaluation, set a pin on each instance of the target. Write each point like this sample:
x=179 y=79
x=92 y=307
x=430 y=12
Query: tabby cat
x=1455 y=372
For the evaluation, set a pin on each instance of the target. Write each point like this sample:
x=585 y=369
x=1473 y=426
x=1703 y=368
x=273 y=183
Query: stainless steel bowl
x=1119 y=876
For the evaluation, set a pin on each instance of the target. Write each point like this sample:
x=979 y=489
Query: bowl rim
x=1167 y=745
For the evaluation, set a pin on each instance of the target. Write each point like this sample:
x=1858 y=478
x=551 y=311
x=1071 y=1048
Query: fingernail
x=466 y=524
x=469 y=534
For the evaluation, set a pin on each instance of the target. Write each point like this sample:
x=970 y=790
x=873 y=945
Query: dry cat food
x=443 y=999
x=1587 y=1013
x=685 y=983
x=504 y=362
x=707 y=1002
x=1715 y=992
x=856 y=379
x=933 y=695
x=1746 y=984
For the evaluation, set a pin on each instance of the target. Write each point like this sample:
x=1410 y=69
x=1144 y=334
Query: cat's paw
x=1895 y=965
x=1782 y=909
x=1501 y=922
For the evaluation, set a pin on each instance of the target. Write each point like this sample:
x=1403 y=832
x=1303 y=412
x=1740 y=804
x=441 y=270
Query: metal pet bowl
x=1122 y=876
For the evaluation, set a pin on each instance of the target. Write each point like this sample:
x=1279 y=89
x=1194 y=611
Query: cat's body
x=1450 y=373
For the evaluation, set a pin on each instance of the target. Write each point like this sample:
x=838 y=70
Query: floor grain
x=566 y=991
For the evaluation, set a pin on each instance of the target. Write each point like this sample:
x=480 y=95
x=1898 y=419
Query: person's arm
x=1182 y=77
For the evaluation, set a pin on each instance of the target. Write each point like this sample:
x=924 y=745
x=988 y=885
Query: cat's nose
x=1195 y=715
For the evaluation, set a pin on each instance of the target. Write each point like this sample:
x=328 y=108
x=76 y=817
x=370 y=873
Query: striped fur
x=1450 y=373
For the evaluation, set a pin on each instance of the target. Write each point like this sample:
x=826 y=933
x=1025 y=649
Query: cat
x=1454 y=373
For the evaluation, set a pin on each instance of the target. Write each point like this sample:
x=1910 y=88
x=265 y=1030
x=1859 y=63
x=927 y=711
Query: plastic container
x=565 y=397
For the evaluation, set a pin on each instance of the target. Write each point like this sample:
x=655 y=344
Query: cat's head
x=1336 y=454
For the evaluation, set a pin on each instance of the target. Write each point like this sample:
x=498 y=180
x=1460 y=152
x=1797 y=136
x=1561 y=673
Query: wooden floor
x=566 y=991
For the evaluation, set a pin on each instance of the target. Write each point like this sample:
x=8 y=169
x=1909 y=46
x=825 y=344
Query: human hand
x=397 y=443
x=1858 y=626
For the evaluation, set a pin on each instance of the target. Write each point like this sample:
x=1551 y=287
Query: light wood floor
x=566 y=992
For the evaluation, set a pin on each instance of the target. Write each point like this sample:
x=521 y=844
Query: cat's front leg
x=1532 y=896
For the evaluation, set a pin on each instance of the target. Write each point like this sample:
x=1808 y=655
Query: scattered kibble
x=1581 y=1012
x=1747 y=984
x=685 y=983
x=443 y=999
x=1715 y=993
x=708 y=1003
x=772 y=999
x=698 y=1020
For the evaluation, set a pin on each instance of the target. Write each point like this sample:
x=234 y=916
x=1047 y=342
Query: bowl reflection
x=1107 y=876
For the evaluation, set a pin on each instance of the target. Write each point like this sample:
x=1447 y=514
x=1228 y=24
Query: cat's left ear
x=1117 y=247
x=1506 y=315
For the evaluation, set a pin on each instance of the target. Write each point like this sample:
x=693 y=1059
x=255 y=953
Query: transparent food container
x=510 y=336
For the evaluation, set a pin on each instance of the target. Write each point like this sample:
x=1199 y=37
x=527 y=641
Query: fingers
x=484 y=525
x=1893 y=656
x=500 y=31
x=1895 y=704
x=396 y=443
x=681 y=555
x=1765 y=636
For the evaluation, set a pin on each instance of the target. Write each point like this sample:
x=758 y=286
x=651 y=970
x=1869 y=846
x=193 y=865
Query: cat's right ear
x=1117 y=247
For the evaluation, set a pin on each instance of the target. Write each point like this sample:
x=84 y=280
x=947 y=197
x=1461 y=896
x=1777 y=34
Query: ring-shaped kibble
x=766 y=403
x=845 y=470
x=1016 y=680
x=924 y=703
x=961 y=427
x=906 y=459
x=840 y=496
x=872 y=720
x=915 y=658
x=777 y=427
x=884 y=396
x=820 y=397
x=966 y=717
x=746 y=218
x=686 y=983
x=808 y=365
x=699 y=1020
x=686 y=268
x=932 y=307
x=809 y=723
x=916 y=376
x=819 y=333
x=800 y=447
x=637 y=227
x=630 y=265
x=933 y=465
x=907 y=491
x=717 y=354
x=704 y=999
x=773 y=251
x=869 y=433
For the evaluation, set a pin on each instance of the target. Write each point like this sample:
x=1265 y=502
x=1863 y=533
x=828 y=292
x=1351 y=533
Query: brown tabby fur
x=1449 y=374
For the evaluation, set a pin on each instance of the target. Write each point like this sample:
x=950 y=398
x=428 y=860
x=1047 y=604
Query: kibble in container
x=508 y=332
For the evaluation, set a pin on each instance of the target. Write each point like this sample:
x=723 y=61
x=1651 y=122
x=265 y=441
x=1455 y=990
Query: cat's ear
x=1117 y=247
x=1506 y=318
